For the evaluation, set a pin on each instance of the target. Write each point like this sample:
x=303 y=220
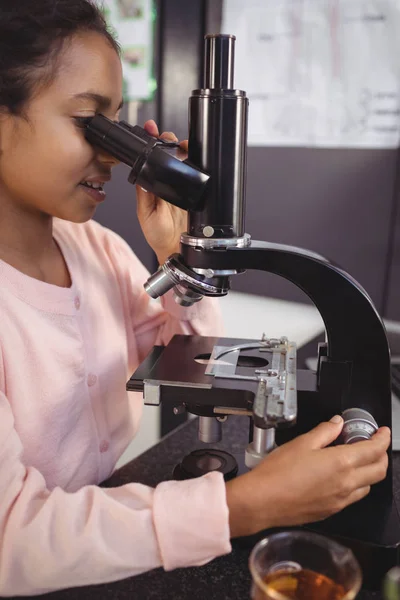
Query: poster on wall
x=320 y=73
x=132 y=22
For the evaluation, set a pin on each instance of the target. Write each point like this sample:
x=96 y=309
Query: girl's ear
x=3 y=117
x=4 y=122
x=7 y=127
x=1 y=127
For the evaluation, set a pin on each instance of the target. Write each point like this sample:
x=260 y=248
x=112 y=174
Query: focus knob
x=358 y=425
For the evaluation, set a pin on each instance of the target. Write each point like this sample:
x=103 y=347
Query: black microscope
x=216 y=377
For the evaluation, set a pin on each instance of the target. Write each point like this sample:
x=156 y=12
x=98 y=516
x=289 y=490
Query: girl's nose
x=105 y=158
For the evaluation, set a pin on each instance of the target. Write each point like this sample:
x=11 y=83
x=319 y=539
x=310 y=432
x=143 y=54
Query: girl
x=75 y=322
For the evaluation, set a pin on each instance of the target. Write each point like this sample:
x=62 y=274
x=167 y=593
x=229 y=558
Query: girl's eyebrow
x=103 y=102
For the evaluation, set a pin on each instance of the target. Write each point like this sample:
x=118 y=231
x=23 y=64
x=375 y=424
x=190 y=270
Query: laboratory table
x=225 y=578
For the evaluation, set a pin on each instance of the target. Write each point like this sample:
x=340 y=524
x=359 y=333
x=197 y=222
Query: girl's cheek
x=69 y=141
x=78 y=150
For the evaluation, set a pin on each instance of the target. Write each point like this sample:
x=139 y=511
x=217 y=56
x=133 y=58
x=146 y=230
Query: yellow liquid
x=301 y=585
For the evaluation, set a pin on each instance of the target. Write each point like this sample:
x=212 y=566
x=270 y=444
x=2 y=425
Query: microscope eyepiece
x=155 y=164
x=219 y=61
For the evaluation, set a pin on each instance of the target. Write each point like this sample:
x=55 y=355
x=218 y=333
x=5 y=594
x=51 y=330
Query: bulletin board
x=133 y=24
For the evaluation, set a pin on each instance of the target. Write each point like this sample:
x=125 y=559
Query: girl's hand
x=304 y=481
x=161 y=222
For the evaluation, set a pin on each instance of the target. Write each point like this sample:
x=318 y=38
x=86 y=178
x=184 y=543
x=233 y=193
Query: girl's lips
x=97 y=195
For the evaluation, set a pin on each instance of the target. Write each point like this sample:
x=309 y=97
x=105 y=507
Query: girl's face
x=45 y=159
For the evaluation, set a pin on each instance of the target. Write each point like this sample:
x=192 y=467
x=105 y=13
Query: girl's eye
x=82 y=122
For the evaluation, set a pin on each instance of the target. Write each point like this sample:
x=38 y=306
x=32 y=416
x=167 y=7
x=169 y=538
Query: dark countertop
x=225 y=578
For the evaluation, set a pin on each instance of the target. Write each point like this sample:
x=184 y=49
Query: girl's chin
x=81 y=216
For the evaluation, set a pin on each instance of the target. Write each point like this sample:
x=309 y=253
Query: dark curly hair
x=32 y=36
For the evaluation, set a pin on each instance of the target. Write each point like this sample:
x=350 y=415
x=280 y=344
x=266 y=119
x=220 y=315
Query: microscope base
x=376 y=551
x=372 y=533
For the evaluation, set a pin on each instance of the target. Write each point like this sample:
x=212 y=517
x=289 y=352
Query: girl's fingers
x=358 y=494
x=169 y=136
x=151 y=128
x=371 y=474
x=323 y=434
x=370 y=451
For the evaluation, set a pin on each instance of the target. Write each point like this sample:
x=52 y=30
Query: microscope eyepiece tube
x=155 y=163
x=218 y=144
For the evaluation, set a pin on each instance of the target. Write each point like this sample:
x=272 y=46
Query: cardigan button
x=91 y=379
x=104 y=446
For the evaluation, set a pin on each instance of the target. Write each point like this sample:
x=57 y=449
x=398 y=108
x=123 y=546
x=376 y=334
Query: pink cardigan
x=65 y=419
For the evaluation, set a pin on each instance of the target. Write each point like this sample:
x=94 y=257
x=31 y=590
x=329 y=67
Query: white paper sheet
x=318 y=72
x=133 y=24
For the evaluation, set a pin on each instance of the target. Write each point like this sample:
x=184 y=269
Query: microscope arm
x=358 y=357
